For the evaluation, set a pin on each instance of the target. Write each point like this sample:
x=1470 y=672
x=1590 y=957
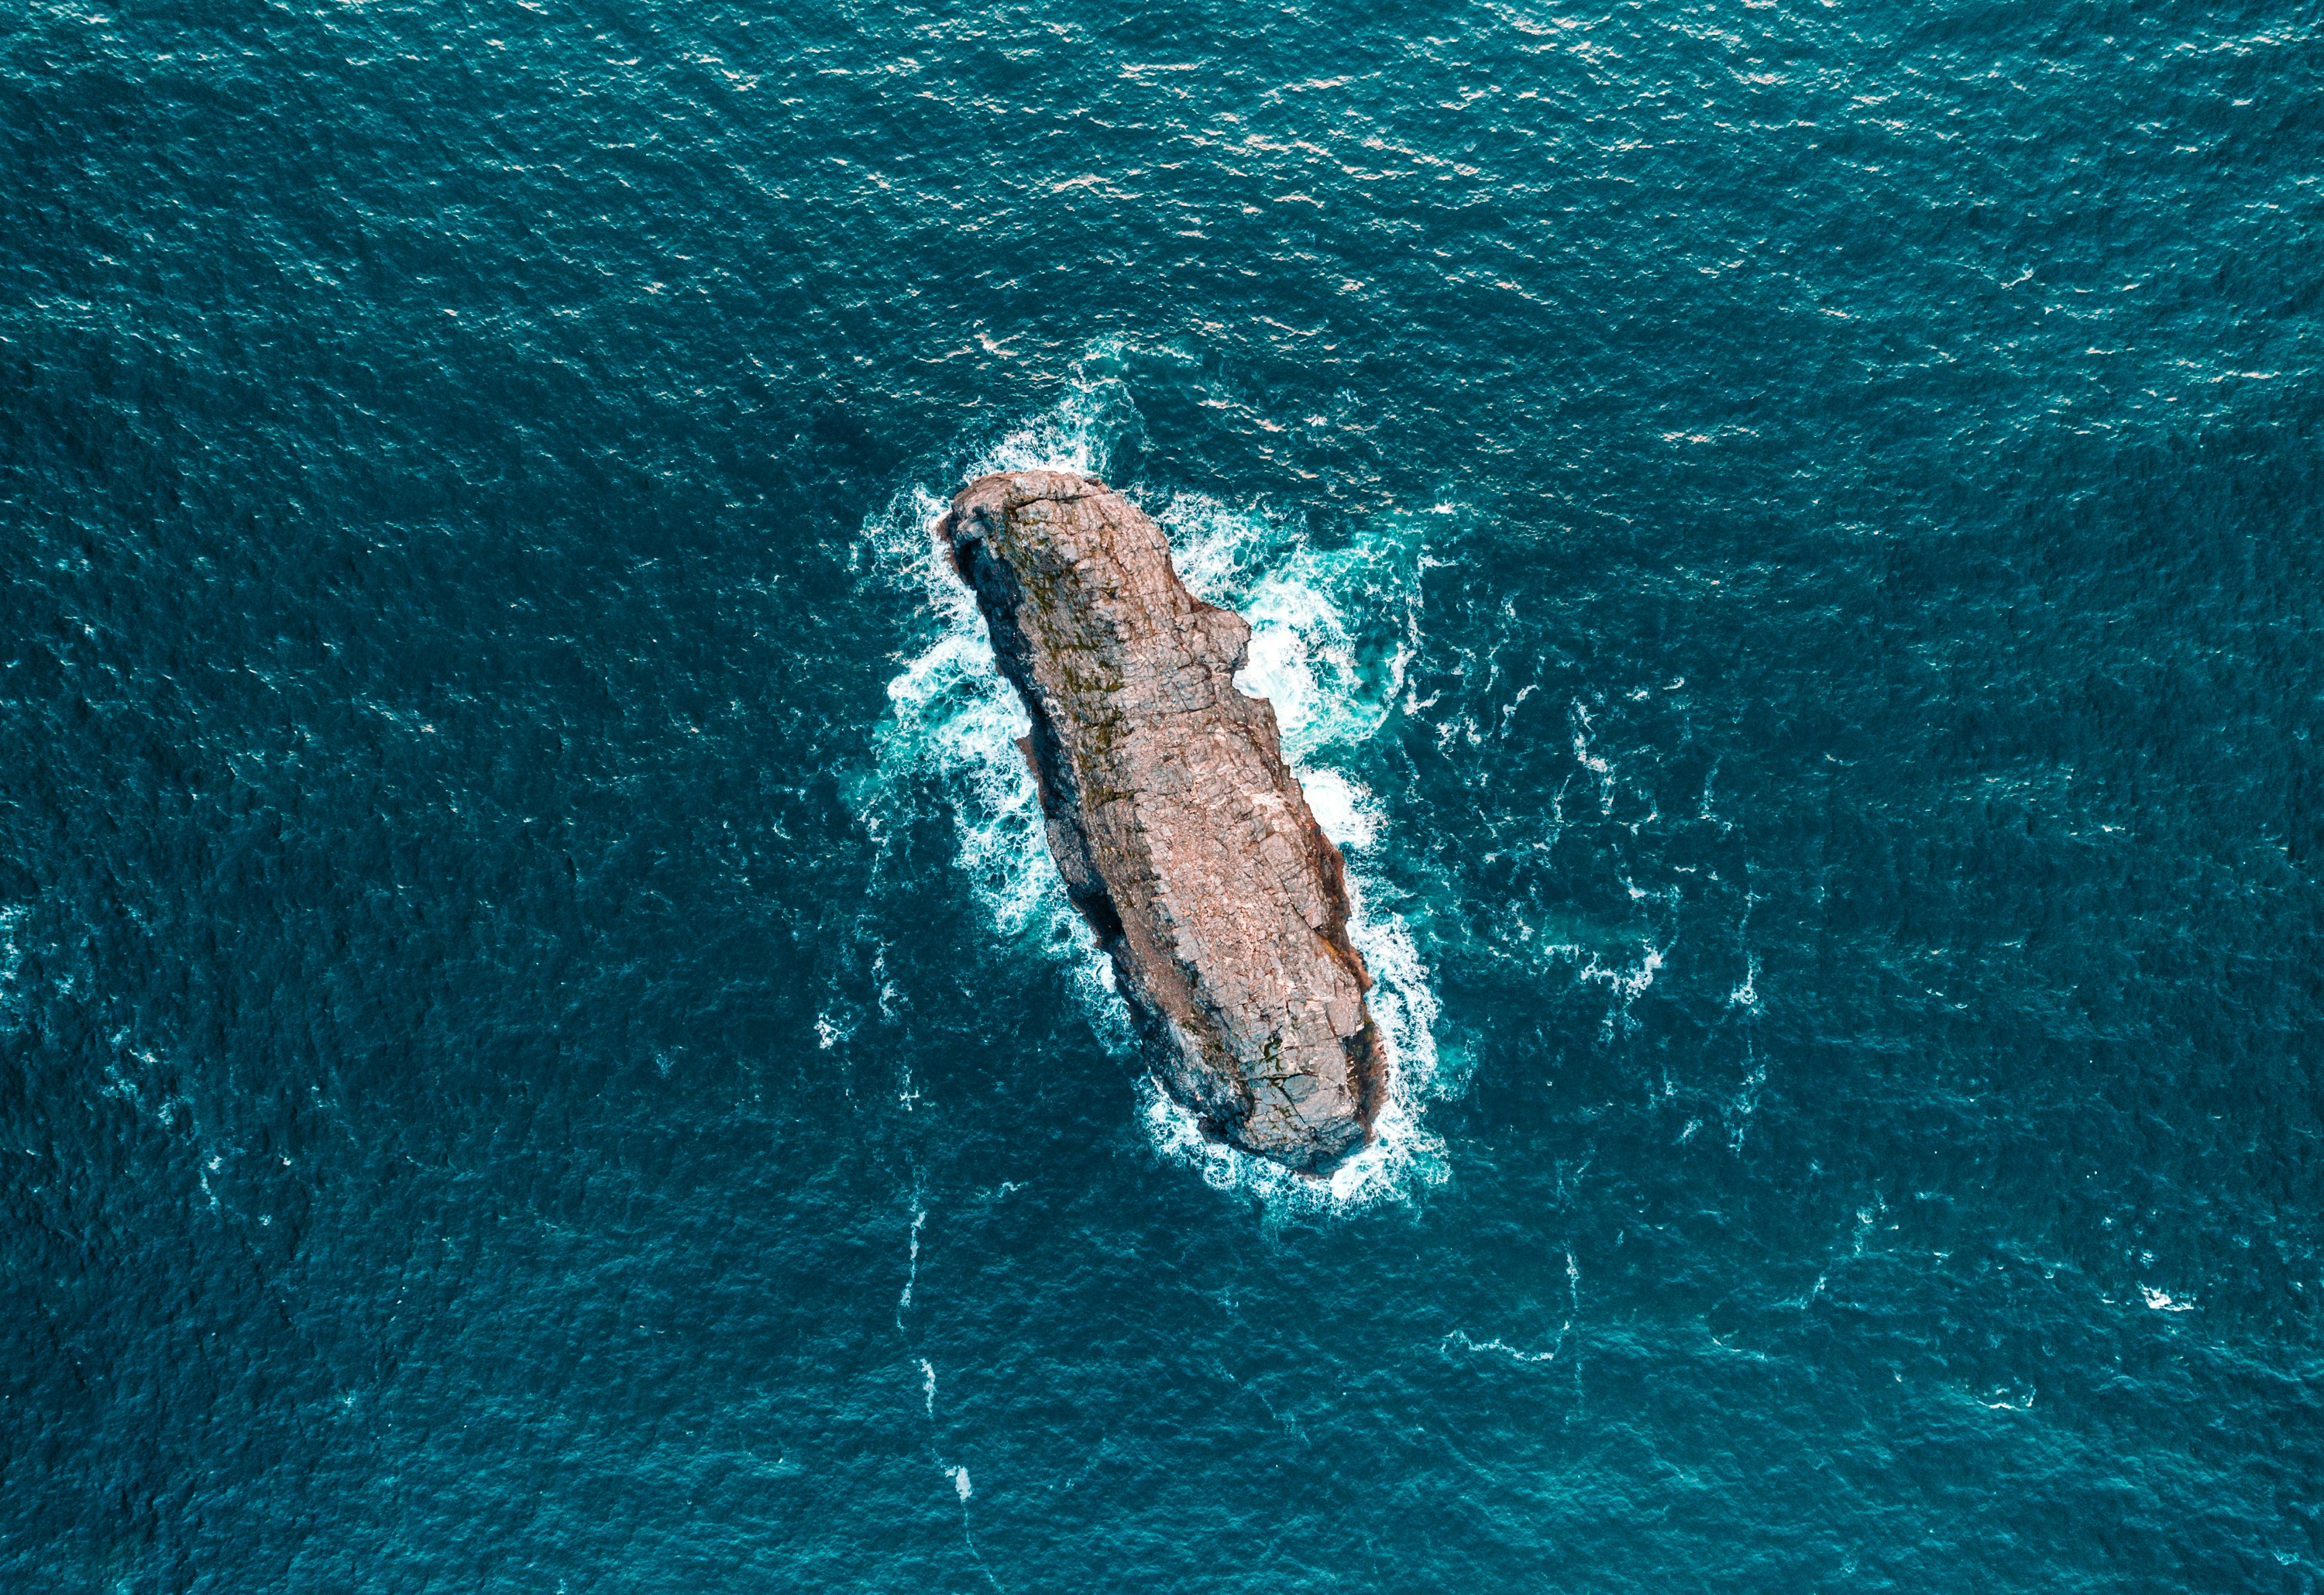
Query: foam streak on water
x=1331 y=633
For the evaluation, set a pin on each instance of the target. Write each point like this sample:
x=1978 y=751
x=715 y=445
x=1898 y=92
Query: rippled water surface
x=540 y=1045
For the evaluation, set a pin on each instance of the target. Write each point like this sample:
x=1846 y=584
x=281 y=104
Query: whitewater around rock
x=1182 y=834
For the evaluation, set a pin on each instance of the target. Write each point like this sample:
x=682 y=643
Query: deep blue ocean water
x=539 y=1050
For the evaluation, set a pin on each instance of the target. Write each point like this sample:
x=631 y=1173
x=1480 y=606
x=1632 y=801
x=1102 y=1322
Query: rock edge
x=1183 y=836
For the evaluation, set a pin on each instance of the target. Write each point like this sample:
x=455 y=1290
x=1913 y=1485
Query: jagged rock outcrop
x=1182 y=836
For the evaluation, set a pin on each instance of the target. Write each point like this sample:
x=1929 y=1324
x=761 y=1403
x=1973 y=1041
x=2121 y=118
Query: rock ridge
x=1183 y=837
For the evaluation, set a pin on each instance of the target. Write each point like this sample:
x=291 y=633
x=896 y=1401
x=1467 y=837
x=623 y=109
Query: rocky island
x=1183 y=836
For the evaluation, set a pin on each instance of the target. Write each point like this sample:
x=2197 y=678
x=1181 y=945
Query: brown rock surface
x=1182 y=836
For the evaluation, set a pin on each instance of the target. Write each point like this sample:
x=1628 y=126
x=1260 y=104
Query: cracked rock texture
x=1182 y=836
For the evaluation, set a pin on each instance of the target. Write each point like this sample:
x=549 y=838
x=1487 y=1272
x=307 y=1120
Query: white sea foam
x=1746 y=1097
x=1332 y=631
x=1345 y=808
x=1627 y=982
x=954 y=723
x=1499 y=1347
x=11 y=960
x=912 y=1267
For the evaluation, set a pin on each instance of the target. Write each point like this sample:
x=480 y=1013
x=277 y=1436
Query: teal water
x=539 y=1050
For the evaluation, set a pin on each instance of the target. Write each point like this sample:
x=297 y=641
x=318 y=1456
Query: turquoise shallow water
x=538 y=1049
